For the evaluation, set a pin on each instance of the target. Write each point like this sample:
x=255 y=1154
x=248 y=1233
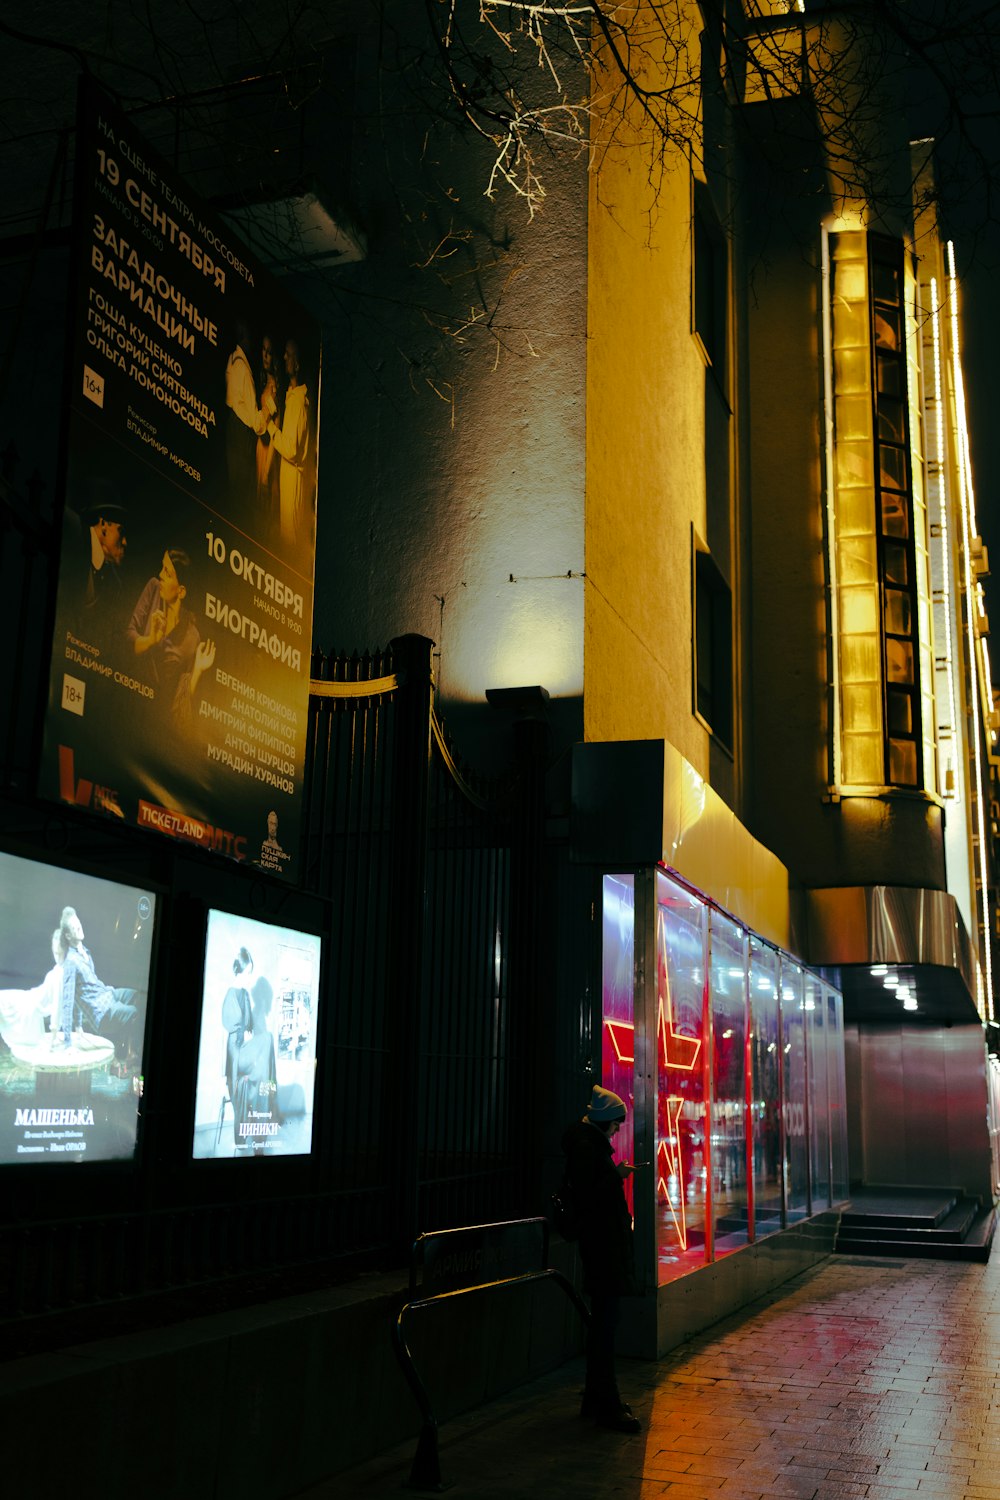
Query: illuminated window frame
x=880 y=595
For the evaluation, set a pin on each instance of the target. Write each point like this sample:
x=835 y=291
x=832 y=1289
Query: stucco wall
x=645 y=451
x=452 y=485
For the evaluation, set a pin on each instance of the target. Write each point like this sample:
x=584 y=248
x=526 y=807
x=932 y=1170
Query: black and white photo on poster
x=257 y=1041
x=180 y=666
x=75 y=953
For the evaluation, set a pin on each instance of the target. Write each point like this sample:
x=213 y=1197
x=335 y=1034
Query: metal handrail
x=425 y=1473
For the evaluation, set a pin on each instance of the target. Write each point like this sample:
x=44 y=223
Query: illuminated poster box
x=257 y=1045
x=75 y=956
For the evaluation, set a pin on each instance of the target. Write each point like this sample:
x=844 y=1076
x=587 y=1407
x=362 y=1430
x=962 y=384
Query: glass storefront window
x=819 y=1094
x=840 y=1185
x=793 y=1109
x=681 y=1158
x=750 y=1113
x=618 y=1006
x=728 y=1145
x=765 y=1044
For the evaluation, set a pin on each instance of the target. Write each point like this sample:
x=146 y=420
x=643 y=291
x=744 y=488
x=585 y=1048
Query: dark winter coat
x=605 y=1223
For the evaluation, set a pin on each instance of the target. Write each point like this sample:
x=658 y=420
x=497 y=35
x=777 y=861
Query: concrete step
x=901 y=1208
x=975 y=1246
x=952 y=1226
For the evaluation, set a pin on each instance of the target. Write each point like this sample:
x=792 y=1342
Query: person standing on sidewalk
x=596 y=1184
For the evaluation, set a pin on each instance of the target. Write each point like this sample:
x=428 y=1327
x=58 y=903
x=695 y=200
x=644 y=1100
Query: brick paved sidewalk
x=868 y=1378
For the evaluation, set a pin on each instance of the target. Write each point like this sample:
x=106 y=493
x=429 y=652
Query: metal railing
x=459 y=1256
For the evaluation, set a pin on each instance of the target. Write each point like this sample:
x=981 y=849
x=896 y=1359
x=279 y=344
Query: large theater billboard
x=179 y=680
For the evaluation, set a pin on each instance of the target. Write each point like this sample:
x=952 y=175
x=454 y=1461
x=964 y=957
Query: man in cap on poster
x=596 y=1186
x=94 y=550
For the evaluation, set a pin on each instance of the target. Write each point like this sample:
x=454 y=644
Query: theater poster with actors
x=180 y=667
x=257 y=1046
x=75 y=954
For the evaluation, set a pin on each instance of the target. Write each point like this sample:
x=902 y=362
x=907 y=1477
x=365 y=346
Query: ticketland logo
x=178 y=825
x=85 y=793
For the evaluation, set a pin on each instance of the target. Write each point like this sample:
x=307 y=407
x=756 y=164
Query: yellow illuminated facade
x=661 y=447
x=777 y=455
x=786 y=471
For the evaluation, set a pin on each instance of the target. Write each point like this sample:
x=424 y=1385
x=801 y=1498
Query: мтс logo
x=93 y=386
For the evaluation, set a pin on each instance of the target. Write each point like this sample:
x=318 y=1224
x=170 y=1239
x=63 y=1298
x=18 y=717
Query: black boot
x=610 y=1412
x=619 y=1419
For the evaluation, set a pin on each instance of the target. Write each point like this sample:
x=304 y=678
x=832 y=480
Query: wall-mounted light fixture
x=522 y=702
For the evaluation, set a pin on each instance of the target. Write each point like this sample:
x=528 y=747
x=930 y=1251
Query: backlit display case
x=75 y=964
x=257 y=1049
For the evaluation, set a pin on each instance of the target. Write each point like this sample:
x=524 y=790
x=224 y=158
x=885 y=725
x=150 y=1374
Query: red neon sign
x=676 y=1050
x=669 y=1164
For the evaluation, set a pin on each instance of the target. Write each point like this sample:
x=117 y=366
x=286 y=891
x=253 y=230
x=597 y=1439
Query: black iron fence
x=417 y=855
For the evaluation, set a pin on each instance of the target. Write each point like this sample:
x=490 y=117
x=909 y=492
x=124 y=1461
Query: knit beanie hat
x=604 y=1107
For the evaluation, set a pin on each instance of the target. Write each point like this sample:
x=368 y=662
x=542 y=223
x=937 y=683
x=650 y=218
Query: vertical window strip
x=984 y=657
x=967 y=502
x=836 y=771
x=877 y=521
x=897 y=548
x=937 y=472
x=918 y=443
x=858 y=603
